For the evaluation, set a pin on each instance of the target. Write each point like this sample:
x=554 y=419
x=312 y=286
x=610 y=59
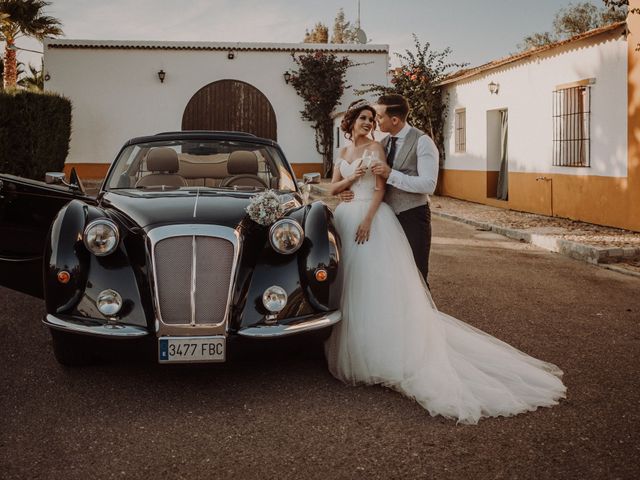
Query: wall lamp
x=161 y=75
x=494 y=87
x=287 y=77
x=231 y=56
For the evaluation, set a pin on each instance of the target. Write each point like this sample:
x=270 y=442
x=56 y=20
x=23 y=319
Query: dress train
x=392 y=333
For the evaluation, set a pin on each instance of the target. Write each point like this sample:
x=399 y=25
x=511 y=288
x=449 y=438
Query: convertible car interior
x=219 y=166
x=163 y=165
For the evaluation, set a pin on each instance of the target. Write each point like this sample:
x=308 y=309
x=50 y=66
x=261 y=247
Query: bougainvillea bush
x=320 y=80
x=417 y=79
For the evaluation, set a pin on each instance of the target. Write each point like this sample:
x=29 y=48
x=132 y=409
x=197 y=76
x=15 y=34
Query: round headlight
x=109 y=302
x=274 y=299
x=101 y=237
x=286 y=236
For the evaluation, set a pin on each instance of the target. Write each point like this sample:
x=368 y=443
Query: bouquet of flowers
x=265 y=208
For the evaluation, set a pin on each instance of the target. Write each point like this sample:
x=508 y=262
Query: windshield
x=221 y=164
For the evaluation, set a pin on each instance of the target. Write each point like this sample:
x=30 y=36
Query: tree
x=34 y=80
x=320 y=82
x=343 y=32
x=23 y=18
x=319 y=34
x=615 y=4
x=576 y=19
x=536 y=40
x=417 y=80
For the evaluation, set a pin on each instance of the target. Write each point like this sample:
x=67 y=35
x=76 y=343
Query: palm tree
x=18 y=18
x=34 y=80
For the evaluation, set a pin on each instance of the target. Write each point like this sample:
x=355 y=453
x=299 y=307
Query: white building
x=124 y=89
x=555 y=120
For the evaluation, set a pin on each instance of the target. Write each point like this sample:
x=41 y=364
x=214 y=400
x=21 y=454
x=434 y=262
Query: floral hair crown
x=359 y=104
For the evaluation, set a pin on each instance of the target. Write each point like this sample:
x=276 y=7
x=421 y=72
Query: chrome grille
x=193 y=275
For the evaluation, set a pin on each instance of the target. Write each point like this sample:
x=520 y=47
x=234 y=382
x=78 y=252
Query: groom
x=411 y=171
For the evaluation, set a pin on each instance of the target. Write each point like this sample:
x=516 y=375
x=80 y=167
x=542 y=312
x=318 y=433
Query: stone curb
x=619 y=269
x=578 y=251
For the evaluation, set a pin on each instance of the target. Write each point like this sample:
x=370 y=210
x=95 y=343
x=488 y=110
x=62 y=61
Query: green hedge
x=35 y=129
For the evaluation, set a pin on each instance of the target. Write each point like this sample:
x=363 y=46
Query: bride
x=392 y=333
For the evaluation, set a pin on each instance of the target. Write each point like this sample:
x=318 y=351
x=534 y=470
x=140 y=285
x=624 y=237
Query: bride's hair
x=352 y=113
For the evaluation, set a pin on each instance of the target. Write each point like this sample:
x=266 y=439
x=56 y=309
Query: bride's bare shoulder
x=347 y=153
x=341 y=155
x=375 y=145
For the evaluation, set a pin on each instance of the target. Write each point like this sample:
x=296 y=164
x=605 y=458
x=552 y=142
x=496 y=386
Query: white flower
x=265 y=208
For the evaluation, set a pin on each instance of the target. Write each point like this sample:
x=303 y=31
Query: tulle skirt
x=392 y=334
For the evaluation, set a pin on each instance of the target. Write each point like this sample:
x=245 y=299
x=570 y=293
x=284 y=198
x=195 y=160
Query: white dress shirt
x=428 y=164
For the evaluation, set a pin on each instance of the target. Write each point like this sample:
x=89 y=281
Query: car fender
x=322 y=252
x=89 y=274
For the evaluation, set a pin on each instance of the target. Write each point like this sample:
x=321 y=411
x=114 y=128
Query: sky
x=477 y=31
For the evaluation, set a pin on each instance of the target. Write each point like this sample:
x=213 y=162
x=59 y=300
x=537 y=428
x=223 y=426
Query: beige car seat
x=243 y=170
x=163 y=163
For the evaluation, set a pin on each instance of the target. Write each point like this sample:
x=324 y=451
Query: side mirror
x=313 y=177
x=54 y=178
x=58 y=178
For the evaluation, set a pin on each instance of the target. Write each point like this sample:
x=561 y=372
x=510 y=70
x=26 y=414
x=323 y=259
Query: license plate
x=191 y=349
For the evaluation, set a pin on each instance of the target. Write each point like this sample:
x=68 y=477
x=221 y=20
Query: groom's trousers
x=416 y=223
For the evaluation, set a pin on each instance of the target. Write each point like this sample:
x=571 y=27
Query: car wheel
x=71 y=350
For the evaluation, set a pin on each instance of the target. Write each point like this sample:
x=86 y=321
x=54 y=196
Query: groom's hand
x=346 y=195
x=382 y=169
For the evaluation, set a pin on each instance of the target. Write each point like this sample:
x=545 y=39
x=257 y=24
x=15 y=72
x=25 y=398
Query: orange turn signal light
x=321 y=274
x=64 y=276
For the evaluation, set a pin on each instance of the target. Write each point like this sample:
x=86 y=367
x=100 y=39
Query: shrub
x=35 y=129
x=320 y=81
x=418 y=79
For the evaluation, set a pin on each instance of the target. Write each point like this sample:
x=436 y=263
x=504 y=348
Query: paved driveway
x=279 y=414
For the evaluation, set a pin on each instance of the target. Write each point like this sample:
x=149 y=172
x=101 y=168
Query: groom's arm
x=428 y=162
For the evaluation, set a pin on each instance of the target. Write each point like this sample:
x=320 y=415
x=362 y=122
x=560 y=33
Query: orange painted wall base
x=88 y=171
x=592 y=199
x=301 y=168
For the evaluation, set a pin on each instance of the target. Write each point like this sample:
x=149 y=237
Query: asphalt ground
x=275 y=411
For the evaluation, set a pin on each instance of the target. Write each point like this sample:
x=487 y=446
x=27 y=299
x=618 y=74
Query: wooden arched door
x=231 y=105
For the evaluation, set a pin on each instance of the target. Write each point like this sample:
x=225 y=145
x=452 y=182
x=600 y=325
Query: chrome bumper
x=88 y=327
x=313 y=323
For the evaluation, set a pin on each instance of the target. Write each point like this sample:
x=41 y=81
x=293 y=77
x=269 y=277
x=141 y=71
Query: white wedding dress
x=392 y=333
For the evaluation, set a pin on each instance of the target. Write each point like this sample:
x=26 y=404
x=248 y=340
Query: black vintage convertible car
x=167 y=251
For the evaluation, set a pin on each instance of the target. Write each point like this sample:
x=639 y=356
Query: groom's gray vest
x=406 y=161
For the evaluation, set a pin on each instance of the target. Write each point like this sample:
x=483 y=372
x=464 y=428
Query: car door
x=27 y=209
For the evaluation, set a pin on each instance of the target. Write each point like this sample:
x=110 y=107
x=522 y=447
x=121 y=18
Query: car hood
x=173 y=207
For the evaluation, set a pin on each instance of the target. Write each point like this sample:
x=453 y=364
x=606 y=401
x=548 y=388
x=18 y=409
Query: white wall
x=526 y=92
x=116 y=94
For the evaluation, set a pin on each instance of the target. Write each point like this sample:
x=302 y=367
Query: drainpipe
x=550 y=180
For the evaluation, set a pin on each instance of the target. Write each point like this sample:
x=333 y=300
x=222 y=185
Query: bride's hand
x=381 y=168
x=360 y=171
x=362 y=234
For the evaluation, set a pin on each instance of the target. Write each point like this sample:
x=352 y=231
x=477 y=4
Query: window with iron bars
x=461 y=130
x=572 y=126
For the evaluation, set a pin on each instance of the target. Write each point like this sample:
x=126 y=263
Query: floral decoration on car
x=265 y=208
